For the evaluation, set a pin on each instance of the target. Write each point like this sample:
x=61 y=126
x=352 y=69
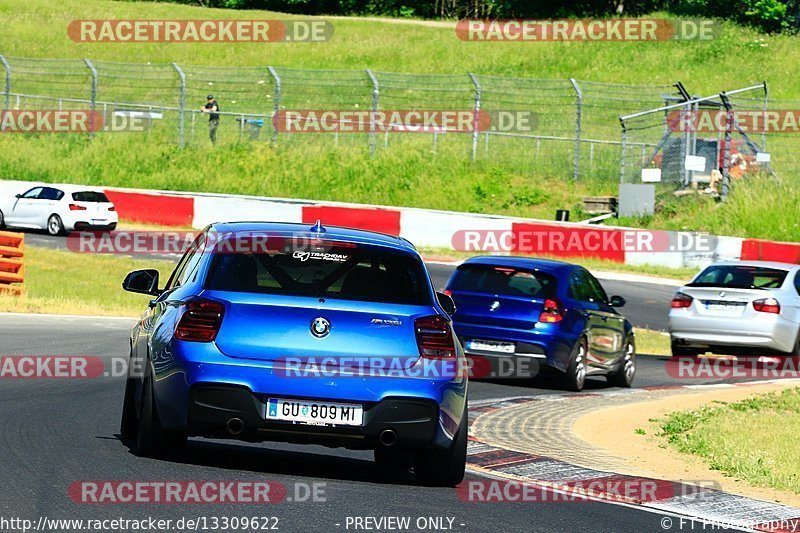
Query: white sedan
x=739 y=308
x=59 y=209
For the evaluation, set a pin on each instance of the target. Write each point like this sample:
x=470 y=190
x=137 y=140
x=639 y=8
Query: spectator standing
x=211 y=108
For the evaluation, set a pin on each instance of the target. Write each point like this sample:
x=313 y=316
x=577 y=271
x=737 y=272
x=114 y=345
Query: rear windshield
x=340 y=270
x=504 y=281
x=89 y=196
x=740 y=277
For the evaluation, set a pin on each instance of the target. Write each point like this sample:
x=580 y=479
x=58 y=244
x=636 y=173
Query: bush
x=766 y=15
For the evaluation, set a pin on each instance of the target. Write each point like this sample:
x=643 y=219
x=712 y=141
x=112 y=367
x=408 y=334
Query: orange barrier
x=12 y=262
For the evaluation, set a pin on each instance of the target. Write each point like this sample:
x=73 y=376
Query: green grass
x=38 y=29
x=65 y=282
x=649 y=342
x=515 y=180
x=762 y=454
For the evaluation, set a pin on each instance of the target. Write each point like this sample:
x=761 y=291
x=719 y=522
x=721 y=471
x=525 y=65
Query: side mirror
x=142 y=281
x=447 y=303
x=18 y=195
x=617 y=301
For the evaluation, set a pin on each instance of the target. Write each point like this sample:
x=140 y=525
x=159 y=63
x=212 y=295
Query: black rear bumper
x=211 y=407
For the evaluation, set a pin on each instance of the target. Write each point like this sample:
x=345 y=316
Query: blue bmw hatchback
x=548 y=313
x=300 y=334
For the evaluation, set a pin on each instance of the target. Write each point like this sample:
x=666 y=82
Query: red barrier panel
x=381 y=220
x=568 y=241
x=159 y=209
x=758 y=250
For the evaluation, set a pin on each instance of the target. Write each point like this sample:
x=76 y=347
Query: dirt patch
x=643 y=453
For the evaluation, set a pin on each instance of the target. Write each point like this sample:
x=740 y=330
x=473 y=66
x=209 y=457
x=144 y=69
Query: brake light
x=434 y=337
x=448 y=292
x=551 y=312
x=200 y=321
x=76 y=207
x=681 y=301
x=112 y=208
x=767 y=305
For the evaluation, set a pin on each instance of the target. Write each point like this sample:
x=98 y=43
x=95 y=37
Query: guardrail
x=12 y=264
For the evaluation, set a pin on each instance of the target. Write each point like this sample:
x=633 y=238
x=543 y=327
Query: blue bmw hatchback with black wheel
x=300 y=334
x=540 y=313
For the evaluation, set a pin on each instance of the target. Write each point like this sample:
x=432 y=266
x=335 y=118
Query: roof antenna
x=317 y=227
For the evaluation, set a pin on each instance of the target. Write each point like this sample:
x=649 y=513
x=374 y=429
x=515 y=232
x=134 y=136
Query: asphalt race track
x=60 y=431
x=647 y=304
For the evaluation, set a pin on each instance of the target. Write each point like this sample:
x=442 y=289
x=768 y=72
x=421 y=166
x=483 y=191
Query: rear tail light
x=448 y=292
x=681 y=301
x=434 y=337
x=200 y=321
x=76 y=207
x=551 y=312
x=112 y=208
x=767 y=305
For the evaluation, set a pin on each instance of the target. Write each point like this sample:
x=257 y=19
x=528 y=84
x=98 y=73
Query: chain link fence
x=683 y=145
x=573 y=128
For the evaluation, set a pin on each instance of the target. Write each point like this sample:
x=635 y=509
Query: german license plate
x=490 y=346
x=723 y=306
x=318 y=413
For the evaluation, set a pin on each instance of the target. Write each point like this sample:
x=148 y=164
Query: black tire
x=55 y=226
x=575 y=377
x=129 y=423
x=796 y=351
x=625 y=373
x=2 y=220
x=151 y=439
x=683 y=351
x=444 y=468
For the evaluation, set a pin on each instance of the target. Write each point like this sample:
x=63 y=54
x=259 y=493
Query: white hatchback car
x=59 y=209
x=738 y=308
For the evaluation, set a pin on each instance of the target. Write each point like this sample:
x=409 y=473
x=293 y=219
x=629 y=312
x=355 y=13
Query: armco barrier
x=423 y=227
x=760 y=250
x=12 y=267
x=150 y=208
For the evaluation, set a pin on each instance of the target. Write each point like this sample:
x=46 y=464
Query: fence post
x=94 y=95
x=375 y=95
x=622 y=156
x=182 y=103
x=7 y=68
x=726 y=147
x=578 y=123
x=276 y=107
x=764 y=133
x=475 y=121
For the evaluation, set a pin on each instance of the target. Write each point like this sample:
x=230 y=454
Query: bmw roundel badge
x=320 y=327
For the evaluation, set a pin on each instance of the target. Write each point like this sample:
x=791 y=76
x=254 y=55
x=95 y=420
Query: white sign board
x=651 y=175
x=695 y=162
x=763 y=157
x=138 y=114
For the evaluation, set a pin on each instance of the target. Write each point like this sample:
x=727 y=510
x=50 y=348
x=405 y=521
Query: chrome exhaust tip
x=235 y=426
x=388 y=437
